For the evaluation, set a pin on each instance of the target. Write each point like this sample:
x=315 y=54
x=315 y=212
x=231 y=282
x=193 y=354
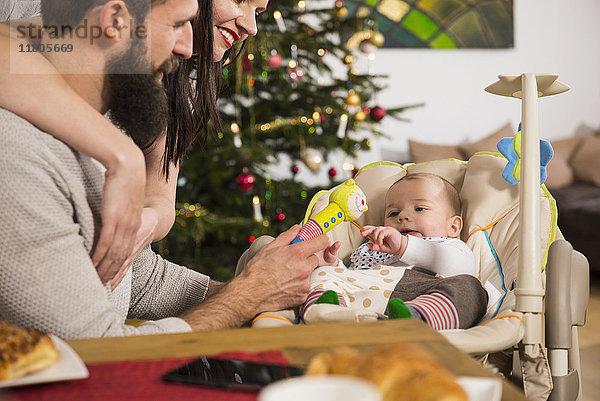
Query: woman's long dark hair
x=193 y=91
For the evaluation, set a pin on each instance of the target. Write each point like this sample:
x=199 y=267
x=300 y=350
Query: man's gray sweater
x=50 y=204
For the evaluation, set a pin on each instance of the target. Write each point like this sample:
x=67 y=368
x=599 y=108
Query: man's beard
x=137 y=99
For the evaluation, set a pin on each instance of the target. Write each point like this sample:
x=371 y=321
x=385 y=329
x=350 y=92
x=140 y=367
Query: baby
x=438 y=283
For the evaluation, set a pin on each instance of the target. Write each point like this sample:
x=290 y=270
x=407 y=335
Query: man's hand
x=122 y=204
x=385 y=239
x=328 y=256
x=276 y=278
x=279 y=273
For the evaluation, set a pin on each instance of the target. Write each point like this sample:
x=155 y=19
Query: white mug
x=320 y=388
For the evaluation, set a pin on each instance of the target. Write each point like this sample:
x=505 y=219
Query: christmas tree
x=293 y=91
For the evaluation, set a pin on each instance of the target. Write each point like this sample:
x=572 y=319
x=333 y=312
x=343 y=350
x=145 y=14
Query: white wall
x=551 y=36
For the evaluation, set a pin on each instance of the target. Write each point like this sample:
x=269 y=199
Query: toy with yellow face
x=346 y=203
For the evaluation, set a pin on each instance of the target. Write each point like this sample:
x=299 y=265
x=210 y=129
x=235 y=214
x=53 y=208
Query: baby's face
x=419 y=207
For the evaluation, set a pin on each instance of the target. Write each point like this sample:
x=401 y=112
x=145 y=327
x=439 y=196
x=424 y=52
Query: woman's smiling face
x=234 y=21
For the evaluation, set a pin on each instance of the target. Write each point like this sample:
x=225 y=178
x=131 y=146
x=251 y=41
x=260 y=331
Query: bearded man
x=51 y=194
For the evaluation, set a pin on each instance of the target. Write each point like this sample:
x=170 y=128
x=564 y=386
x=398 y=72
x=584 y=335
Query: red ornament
x=281 y=217
x=377 y=113
x=332 y=172
x=245 y=181
x=295 y=169
x=354 y=172
x=274 y=60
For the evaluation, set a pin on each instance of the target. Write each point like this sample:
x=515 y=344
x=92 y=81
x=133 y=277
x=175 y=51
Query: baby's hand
x=328 y=256
x=385 y=239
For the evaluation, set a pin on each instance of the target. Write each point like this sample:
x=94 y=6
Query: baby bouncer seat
x=491 y=229
x=509 y=337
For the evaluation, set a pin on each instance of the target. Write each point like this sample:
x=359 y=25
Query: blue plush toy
x=511 y=149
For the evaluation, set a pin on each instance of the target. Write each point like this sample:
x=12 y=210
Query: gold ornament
x=349 y=59
x=360 y=116
x=353 y=100
x=342 y=12
x=312 y=158
x=377 y=39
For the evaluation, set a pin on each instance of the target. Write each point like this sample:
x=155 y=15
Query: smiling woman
x=233 y=22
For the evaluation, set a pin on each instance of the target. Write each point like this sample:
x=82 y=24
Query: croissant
x=401 y=372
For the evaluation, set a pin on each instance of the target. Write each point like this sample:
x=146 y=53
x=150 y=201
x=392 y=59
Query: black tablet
x=231 y=374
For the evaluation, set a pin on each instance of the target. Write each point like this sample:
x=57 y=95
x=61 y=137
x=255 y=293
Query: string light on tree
x=341 y=132
x=279 y=20
x=258 y=217
x=237 y=140
x=280 y=215
x=296 y=74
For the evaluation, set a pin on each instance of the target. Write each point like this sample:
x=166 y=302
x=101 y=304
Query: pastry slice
x=24 y=351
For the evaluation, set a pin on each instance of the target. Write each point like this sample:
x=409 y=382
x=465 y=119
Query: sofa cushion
x=586 y=160
x=560 y=172
x=422 y=152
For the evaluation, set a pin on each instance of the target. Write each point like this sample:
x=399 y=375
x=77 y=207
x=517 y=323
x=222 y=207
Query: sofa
x=573 y=180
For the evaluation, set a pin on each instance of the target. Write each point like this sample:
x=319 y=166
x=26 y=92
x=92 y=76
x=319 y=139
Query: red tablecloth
x=137 y=381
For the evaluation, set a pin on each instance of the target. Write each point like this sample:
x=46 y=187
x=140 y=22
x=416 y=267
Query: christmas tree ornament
x=377 y=113
x=245 y=181
x=342 y=12
x=280 y=217
x=377 y=39
x=360 y=116
x=295 y=169
x=274 y=60
x=352 y=99
x=312 y=158
x=349 y=59
x=339 y=3
x=332 y=172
